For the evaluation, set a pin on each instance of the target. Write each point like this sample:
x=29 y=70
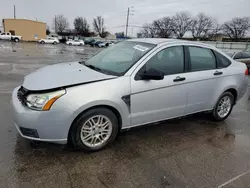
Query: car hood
x=62 y=75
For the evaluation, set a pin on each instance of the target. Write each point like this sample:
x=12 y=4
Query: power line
x=166 y=3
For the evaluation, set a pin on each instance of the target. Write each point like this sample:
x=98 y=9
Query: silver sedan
x=132 y=83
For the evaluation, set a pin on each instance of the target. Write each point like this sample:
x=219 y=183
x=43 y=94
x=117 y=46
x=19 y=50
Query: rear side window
x=222 y=61
x=201 y=59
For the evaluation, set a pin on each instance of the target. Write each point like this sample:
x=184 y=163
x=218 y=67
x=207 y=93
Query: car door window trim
x=189 y=58
x=143 y=68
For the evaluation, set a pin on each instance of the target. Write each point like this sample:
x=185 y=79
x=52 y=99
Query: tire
x=82 y=132
x=16 y=39
x=80 y=44
x=42 y=42
x=70 y=44
x=54 y=43
x=216 y=115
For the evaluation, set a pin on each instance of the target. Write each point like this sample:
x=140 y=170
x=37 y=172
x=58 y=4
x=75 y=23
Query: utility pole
x=126 y=34
x=14 y=11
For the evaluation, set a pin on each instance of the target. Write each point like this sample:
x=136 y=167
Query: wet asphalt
x=188 y=152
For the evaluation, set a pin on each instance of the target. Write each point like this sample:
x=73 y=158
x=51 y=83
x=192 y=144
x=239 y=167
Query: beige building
x=29 y=30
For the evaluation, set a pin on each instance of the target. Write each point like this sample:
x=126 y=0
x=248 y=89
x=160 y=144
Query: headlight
x=43 y=101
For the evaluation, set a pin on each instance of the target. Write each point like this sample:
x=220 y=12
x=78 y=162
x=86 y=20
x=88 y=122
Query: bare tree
x=99 y=27
x=81 y=26
x=148 y=31
x=215 y=31
x=236 y=28
x=163 y=27
x=60 y=23
x=181 y=23
x=201 y=25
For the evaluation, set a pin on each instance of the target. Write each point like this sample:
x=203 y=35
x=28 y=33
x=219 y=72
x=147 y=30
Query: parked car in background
x=75 y=42
x=132 y=83
x=243 y=57
x=9 y=36
x=49 y=40
x=95 y=43
x=102 y=45
x=89 y=41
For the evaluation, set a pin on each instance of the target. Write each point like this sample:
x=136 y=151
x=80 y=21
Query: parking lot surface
x=188 y=152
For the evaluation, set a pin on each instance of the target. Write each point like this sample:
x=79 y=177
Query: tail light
x=247 y=72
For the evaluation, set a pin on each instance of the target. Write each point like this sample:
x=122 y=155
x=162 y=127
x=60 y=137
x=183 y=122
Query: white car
x=75 y=42
x=133 y=83
x=9 y=36
x=49 y=40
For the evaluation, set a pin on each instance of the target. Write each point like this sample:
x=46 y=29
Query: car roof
x=162 y=41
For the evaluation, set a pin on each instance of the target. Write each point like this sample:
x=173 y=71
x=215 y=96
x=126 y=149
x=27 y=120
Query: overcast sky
x=114 y=11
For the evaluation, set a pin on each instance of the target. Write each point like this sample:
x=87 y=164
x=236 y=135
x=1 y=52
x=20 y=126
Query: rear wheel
x=16 y=39
x=94 y=129
x=223 y=107
x=70 y=44
x=42 y=42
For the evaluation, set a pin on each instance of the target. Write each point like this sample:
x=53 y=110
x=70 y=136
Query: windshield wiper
x=93 y=67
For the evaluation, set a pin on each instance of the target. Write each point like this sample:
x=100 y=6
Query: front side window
x=117 y=59
x=201 y=59
x=169 y=61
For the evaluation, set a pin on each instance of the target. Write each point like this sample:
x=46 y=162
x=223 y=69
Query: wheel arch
x=110 y=107
x=234 y=92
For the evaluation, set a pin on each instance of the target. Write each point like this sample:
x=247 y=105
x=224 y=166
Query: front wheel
x=223 y=107
x=55 y=43
x=94 y=129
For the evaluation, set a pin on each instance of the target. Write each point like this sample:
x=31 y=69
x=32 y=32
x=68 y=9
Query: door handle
x=179 y=79
x=218 y=73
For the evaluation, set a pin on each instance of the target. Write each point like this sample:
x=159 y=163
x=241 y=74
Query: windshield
x=117 y=59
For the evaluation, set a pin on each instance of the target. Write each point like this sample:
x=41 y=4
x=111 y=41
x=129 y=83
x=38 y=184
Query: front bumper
x=49 y=126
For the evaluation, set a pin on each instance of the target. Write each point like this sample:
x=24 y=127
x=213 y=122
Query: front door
x=154 y=100
x=4 y=36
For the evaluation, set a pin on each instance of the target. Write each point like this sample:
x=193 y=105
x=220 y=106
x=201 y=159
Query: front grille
x=29 y=132
x=22 y=94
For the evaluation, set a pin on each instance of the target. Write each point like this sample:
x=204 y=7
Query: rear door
x=50 y=40
x=202 y=78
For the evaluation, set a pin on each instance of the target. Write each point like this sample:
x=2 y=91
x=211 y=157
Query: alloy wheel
x=96 y=131
x=224 y=106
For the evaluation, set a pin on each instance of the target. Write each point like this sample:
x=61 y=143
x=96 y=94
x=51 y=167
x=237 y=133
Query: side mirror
x=152 y=74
